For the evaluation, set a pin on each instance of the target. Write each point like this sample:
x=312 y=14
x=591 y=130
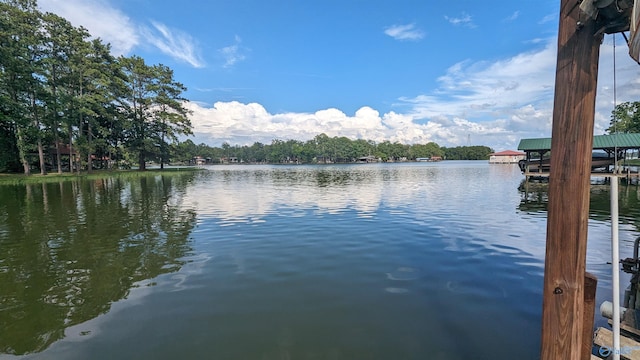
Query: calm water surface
x=377 y=261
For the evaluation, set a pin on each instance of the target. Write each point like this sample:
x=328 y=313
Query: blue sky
x=456 y=72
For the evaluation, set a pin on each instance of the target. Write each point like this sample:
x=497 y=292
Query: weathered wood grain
x=568 y=209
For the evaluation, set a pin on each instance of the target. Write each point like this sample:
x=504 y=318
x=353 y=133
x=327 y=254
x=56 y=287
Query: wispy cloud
x=114 y=26
x=404 y=32
x=535 y=41
x=513 y=16
x=548 y=18
x=494 y=103
x=233 y=53
x=498 y=101
x=121 y=32
x=464 y=20
x=627 y=74
x=175 y=43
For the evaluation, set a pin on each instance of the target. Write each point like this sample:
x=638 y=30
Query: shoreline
x=37 y=178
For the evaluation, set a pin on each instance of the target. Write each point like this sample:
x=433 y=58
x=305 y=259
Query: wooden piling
x=590 y=286
x=568 y=209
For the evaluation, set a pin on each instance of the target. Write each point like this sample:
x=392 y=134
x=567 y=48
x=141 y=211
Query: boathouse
x=506 y=157
x=606 y=149
x=367 y=159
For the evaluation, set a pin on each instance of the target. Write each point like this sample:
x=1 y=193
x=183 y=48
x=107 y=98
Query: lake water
x=372 y=261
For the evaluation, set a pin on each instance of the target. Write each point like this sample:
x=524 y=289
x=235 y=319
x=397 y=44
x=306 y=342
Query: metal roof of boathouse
x=600 y=142
x=507 y=153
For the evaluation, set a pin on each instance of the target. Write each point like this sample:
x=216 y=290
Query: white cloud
x=233 y=53
x=404 y=32
x=481 y=103
x=513 y=16
x=240 y=123
x=110 y=24
x=627 y=74
x=490 y=89
x=548 y=18
x=512 y=98
x=102 y=20
x=464 y=20
x=175 y=43
x=244 y=124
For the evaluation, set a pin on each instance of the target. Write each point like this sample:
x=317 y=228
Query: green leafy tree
x=169 y=114
x=57 y=47
x=153 y=104
x=58 y=87
x=20 y=80
x=467 y=153
x=323 y=147
x=226 y=150
x=96 y=98
x=625 y=118
x=185 y=151
x=257 y=152
x=136 y=104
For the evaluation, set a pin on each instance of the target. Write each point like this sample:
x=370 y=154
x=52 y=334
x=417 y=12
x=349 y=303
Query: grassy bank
x=15 y=179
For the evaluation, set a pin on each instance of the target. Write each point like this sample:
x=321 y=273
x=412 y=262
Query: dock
x=568 y=291
x=629 y=315
x=629 y=348
x=629 y=338
x=609 y=156
x=627 y=174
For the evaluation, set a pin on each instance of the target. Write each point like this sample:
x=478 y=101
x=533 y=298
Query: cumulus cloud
x=490 y=89
x=175 y=43
x=492 y=103
x=627 y=76
x=479 y=103
x=240 y=123
x=512 y=98
x=101 y=19
x=244 y=124
x=232 y=53
x=404 y=32
x=464 y=20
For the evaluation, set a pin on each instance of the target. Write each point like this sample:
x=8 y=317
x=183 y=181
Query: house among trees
x=367 y=159
x=199 y=160
x=230 y=160
x=506 y=157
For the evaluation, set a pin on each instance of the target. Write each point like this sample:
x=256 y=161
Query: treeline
x=323 y=149
x=67 y=104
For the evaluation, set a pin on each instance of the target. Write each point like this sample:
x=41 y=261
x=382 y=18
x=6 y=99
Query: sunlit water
x=373 y=261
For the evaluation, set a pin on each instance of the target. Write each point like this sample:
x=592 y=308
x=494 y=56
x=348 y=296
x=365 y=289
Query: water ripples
x=375 y=261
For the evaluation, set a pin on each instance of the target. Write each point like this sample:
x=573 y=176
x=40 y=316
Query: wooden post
x=590 y=286
x=569 y=182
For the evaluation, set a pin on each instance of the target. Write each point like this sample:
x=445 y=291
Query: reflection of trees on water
x=337 y=178
x=69 y=250
x=534 y=199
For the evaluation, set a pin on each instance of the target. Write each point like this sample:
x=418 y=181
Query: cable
x=615 y=252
